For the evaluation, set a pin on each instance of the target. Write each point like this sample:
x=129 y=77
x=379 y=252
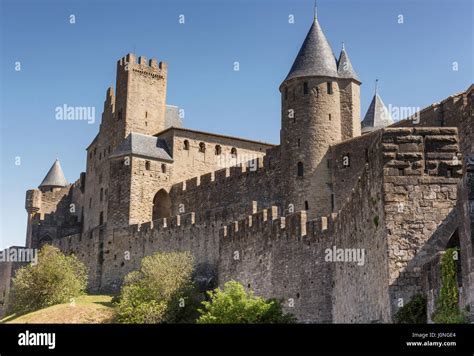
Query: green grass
x=87 y=309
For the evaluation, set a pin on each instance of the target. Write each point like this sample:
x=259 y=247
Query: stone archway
x=161 y=205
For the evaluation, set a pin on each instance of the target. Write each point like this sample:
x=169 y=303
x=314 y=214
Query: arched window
x=147 y=165
x=300 y=169
x=186 y=145
x=161 y=205
x=233 y=151
x=218 y=150
x=163 y=168
x=202 y=147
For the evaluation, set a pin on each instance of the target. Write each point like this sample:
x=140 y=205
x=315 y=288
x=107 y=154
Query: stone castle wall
x=285 y=256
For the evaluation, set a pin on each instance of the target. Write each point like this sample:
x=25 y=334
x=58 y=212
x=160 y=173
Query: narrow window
x=100 y=178
x=329 y=117
x=329 y=87
x=101 y=218
x=286 y=93
x=202 y=147
x=146 y=114
x=300 y=169
x=108 y=150
x=119 y=116
x=299 y=142
x=147 y=165
x=101 y=194
x=305 y=88
x=218 y=150
x=317 y=92
x=233 y=151
x=186 y=145
x=401 y=171
x=306 y=205
x=333 y=202
x=90 y=203
x=163 y=168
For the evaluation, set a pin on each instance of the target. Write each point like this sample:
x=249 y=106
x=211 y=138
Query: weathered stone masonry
x=271 y=217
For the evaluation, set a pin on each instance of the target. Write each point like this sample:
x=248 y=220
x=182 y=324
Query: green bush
x=233 y=305
x=447 y=308
x=413 y=312
x=55 y=279
x=161 y=291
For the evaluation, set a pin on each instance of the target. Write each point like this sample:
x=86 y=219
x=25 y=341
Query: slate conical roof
x=55 y=177
x=344 y=66
x=315 y=57
x=377 y=115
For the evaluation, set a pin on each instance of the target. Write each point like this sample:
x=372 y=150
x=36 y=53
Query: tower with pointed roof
x=54 y=178
x=320 y=103
x=377 y=115
x=349 y=87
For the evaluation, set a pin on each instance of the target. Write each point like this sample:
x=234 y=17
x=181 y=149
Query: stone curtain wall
x=344 y=177
x=281 y=257
x=233 y=188
x=361 y=291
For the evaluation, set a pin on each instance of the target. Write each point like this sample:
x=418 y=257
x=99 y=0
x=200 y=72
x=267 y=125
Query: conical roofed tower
x=54 y=178
x=349 y=86
x=310 y=123
x=377 y=115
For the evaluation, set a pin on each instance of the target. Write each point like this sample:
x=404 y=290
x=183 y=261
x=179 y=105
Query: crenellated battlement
x=269 y=220
x=140 y=64
x=222 y=176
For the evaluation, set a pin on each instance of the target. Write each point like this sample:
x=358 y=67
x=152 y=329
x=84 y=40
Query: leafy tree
x=233 y=305
x=413 y=312
x=55 y=279
x=161 y=291
x=447 y=308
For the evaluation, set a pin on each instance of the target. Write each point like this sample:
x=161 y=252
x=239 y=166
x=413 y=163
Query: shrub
x=161 y=291
x=55 y=279
x=233 y=305
x=447 y=308
x=413 y=312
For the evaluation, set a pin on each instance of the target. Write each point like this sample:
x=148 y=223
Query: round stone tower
x=310 y=123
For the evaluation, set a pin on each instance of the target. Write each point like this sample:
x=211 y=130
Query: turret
x=349 y=86
x=310 y=123
x=54 y=178
x=377 y=115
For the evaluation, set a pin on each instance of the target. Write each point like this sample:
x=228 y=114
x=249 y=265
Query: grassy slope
x=88 y=309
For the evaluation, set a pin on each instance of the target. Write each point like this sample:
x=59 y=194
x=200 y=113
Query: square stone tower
x=140 y=103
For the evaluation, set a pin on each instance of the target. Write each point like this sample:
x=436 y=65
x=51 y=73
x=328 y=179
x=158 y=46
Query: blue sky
x=73 y=64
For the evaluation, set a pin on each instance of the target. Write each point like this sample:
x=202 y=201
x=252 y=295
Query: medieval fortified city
x=346 y=220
